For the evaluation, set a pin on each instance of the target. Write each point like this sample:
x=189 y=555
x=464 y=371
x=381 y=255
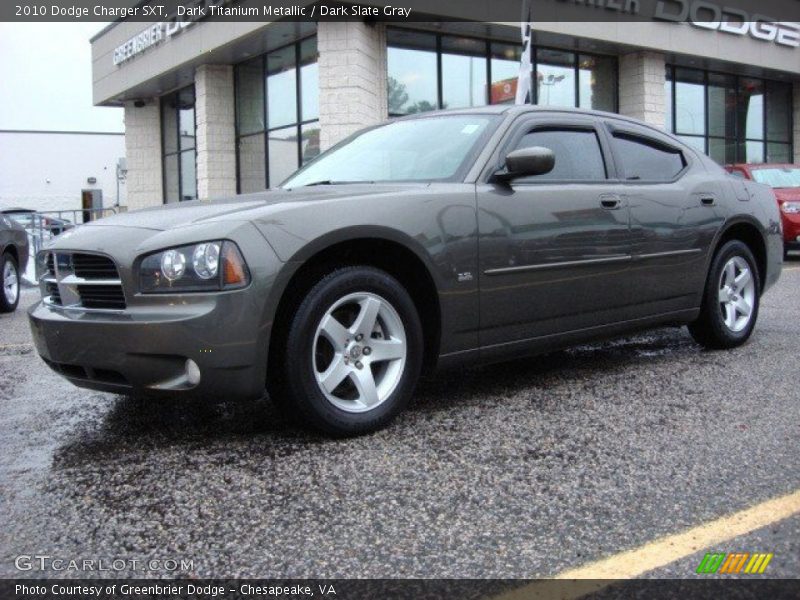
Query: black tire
x=710 y=329
x=5 y=305
x=299 y=388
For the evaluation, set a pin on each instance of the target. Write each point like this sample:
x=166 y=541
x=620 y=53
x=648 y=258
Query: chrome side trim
x=557 y=265
x=667 y=254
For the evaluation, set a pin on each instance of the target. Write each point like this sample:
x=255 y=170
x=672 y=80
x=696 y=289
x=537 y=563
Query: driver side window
x=577 y=152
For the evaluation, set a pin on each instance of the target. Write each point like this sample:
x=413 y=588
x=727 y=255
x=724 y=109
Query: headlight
x=205 y=267
x=791 y=208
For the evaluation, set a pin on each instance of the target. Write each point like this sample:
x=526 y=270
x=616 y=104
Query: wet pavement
x=514 y=470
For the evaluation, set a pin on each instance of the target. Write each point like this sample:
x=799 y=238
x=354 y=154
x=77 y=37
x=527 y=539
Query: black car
x=443 y=238
x=13 y=261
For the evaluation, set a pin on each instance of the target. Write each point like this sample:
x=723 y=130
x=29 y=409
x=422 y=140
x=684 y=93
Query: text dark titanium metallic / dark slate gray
x=479 y=234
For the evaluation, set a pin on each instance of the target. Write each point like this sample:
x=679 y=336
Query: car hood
x=787 y=194
x=246 y=207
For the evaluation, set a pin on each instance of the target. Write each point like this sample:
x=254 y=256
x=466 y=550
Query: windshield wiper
x=330 y=182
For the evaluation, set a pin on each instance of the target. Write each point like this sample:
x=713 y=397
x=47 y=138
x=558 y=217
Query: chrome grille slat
x=83 y=281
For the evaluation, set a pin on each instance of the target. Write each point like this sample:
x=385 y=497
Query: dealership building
x=218 y=108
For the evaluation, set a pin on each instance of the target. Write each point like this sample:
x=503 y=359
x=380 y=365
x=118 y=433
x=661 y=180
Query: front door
x=554 y=248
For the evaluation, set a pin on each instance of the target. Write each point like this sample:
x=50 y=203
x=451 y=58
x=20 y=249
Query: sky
x=46 y=79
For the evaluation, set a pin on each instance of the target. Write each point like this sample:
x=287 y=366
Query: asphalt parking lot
x=523 y=469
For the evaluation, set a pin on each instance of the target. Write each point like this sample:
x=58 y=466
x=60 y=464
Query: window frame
x=647 y=138
x=737 y=140
x=298 y=125
x=527 y=123
x=487 y=57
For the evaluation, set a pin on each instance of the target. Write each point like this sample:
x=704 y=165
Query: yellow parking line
x=658 y=553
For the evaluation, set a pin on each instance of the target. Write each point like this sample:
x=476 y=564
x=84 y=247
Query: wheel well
x=392 y=257
x=12 y=250
x=747 y=233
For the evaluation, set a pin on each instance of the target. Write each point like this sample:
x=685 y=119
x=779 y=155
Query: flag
x=524 y=82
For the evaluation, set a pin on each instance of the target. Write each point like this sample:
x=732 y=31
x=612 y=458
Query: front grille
x=82 y=280
x=94 y=266
x=102 y=296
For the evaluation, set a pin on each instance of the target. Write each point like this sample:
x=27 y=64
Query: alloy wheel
x=10 y=282
x=359 y=352
x=737 y=294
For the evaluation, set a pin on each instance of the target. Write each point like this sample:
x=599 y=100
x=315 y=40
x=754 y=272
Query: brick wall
x=641 y=87
x=352 y=78
x=143 y=154
x=216 y=133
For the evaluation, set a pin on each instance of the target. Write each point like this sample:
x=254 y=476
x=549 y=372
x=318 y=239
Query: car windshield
x=426 y=149
x=778 y=177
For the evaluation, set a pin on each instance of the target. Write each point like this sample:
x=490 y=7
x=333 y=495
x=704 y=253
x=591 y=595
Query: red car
x=784 y=179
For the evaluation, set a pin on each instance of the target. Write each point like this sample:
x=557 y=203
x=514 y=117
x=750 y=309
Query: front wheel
x=730 y=300
x=9 y=294
x=353 y=352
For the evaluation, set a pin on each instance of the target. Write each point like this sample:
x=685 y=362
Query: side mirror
x=525 y=162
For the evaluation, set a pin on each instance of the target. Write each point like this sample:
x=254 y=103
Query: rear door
x=554 y=248
x=674 y=215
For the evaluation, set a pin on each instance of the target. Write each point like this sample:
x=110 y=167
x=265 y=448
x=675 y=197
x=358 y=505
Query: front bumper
x=791 y=229
x=145 y=350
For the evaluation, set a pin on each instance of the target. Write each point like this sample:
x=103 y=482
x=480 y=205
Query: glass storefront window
x=504 y=62
x=277 y=112
x=463 y=72
x=429 y=71
x=412 y=63
x=309 y=80
x=779 y=115
x=281 y=88
x=555 y=78
x=721 y=105
x=250 y=96
x=178 y=134
x=690 y=114
x=597 y=82
x=735 y=119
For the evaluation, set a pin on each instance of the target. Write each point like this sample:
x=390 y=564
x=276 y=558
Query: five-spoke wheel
x=730 y=298
x=359 y=352
x=353 y=351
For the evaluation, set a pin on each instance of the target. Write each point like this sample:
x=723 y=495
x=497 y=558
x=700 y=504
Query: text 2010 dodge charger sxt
x=475 y=234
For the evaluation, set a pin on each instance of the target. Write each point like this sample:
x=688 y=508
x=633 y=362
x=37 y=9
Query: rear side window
x=647 y=161
x=577 y=152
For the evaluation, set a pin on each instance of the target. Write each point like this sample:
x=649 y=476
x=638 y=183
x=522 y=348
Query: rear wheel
x=353 y=352
x=730 y=300
x=9 y=295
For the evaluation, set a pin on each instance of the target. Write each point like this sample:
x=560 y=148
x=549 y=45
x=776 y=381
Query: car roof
x=17 y=210
x=521 y=109
x=764 y=165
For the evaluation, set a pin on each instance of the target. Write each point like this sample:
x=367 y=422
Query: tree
x=397 y=95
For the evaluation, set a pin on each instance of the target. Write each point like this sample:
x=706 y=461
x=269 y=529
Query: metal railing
x=43 y=226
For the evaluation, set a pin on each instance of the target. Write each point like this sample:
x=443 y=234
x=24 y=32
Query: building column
x=216 y=131
x=796 y=122
x=352 y=78
x=143 y=154
x=641 y=87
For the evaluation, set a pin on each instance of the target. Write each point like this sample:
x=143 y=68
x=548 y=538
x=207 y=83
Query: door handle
x=610 y=201
x=708 y=200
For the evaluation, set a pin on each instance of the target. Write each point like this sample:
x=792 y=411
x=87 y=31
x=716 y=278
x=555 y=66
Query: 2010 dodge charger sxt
x=453 y=236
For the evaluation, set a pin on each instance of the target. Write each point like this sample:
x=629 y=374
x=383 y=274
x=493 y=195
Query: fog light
x=192 y=372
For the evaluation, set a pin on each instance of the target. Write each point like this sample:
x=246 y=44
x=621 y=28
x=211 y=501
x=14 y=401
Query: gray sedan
x=13 y=261
x=431 y=241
